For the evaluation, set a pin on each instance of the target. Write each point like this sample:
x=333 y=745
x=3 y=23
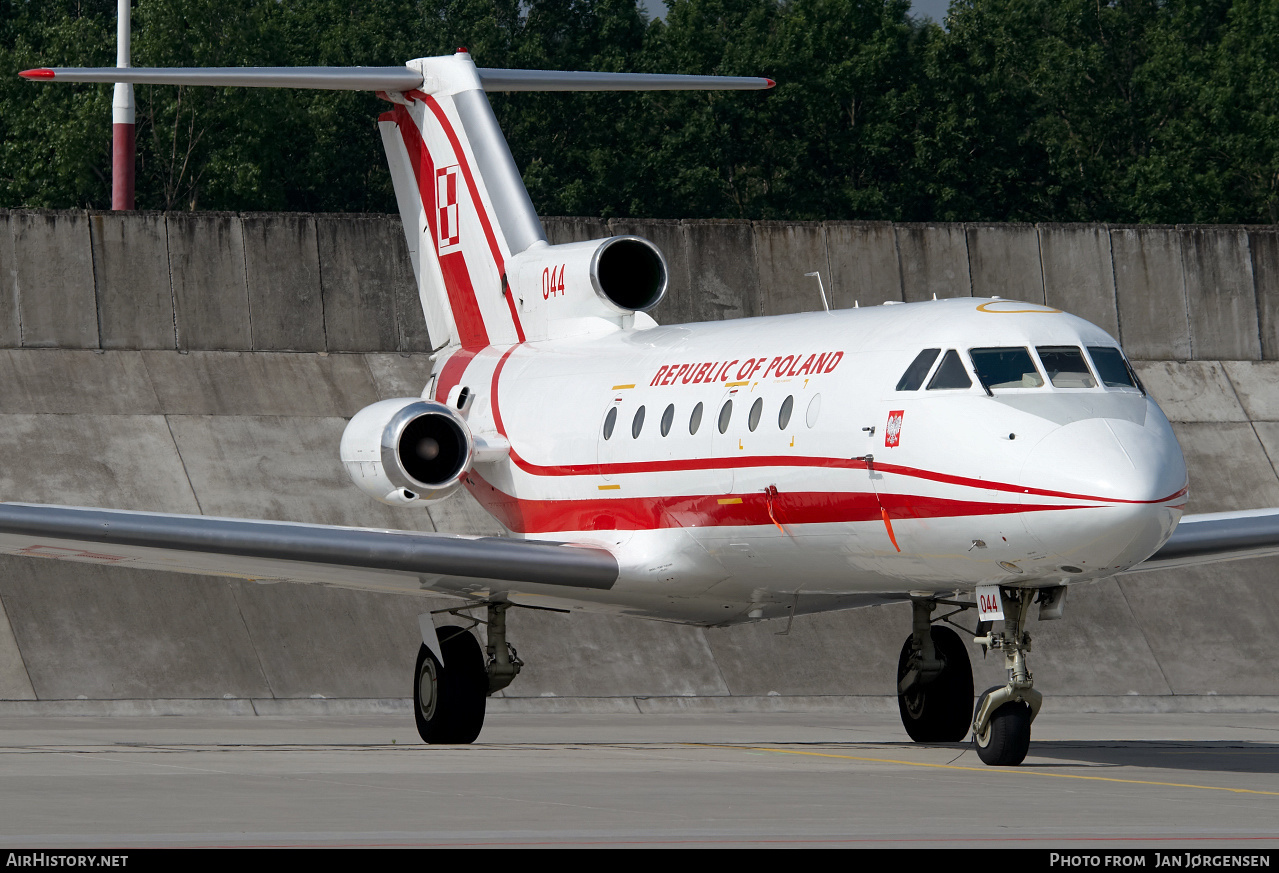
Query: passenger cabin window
x=951 y=373
x=1005 y=368
x=637 y=423
x=668 y=418
x=757 y=409
x=1112 y=368
x=918 y=370
x=610 y=421
x=783 y=417
x=1065 y=367
x=695 y=420
x=725 y=413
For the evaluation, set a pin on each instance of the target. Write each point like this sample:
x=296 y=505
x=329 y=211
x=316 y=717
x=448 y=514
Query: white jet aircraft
x=962 y=453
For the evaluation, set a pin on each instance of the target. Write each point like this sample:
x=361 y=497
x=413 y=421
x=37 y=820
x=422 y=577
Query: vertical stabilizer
x=479 y=252
x=463 y=203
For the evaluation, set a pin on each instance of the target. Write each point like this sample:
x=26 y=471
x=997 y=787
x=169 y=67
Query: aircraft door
x=722 y=421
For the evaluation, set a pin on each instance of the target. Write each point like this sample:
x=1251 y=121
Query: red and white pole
x=123 y=139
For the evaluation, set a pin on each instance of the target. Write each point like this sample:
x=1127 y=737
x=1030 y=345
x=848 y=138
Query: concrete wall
x=319 y=283
x=144 y=403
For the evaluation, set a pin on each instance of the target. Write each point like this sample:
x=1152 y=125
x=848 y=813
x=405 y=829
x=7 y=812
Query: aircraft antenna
x=821 y=288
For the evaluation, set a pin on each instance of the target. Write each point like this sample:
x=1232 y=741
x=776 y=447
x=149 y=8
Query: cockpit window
x=1112 y=368
x=951 y=373
x=1065 y=367
x=918 y=370
x=1005 y=368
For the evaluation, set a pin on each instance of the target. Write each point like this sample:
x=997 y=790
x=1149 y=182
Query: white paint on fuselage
x=970 y=467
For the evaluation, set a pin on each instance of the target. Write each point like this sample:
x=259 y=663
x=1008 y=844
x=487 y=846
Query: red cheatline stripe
x=494 y=249
x=37 y=74
x=705 y=510
x=457 y=280
x=690 y=464
x=454 y=367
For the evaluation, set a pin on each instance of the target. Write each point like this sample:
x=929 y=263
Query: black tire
x=941 y=711
x=1006 y=739
x=448 y=703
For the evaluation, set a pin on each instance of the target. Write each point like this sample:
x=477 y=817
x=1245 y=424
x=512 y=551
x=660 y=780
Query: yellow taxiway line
x=1008 y=770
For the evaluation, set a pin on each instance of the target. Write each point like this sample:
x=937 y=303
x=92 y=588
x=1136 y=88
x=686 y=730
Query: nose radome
x=1107 y=460
x=1121 y=477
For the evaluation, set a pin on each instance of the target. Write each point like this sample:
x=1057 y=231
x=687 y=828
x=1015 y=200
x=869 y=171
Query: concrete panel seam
x=319 y=290
x=183 y=461
x=1185 y=296
x=901 y=270
x=719 y=670
x=1114 y=283
x=97 y=301
x=1256 y=298
x=968 y=258
x=173 y=295
x=239 y=610
x=1043 y=279
x=1273 y=469
x=26 y=671
x=1145 y=638
x=830 y=276
x=248 y=298
x=17 y=290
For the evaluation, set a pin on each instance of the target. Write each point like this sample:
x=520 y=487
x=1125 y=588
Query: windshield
x=1005 y=368
x=1065 y=367
x=1111 y=367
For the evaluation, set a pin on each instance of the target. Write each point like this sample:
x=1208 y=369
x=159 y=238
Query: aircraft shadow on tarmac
x=1222 y=756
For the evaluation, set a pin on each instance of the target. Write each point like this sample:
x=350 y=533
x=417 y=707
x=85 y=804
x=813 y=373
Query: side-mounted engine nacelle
x=406 y=449
x=615 y=276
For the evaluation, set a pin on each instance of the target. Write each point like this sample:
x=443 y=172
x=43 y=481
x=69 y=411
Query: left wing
x=401 y=562
x=1217 y=536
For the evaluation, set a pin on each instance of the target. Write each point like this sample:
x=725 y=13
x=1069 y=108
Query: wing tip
x=771 y=84
x=39 y=73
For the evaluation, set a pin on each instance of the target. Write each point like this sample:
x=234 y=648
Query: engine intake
x=630 y=273
x=618 y=275
x=407 y=449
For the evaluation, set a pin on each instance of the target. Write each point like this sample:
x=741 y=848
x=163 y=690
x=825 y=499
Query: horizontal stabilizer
x=391 y=78
x=324 y=78
x=553 y=80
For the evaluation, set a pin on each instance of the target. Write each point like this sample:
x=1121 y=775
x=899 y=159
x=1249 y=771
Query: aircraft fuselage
x=740 y=470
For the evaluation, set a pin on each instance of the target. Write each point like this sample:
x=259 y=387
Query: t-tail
x=485 y=273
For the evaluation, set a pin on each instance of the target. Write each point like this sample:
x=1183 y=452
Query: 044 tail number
x=553 y=282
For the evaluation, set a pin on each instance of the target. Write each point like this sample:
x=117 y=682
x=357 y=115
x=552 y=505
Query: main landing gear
x=449 y=698
x=935 y=679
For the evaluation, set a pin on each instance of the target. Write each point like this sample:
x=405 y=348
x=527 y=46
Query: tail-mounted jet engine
x=626 y=273
x=406 y=449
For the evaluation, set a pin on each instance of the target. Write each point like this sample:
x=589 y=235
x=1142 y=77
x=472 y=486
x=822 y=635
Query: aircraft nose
x=1124 y=482
x=1109 y=460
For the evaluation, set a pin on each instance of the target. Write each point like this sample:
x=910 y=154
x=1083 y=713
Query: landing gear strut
x=1001 y=722
x=934 y=680
x=448 y=698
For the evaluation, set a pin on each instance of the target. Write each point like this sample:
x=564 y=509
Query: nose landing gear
x=1001 y=721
